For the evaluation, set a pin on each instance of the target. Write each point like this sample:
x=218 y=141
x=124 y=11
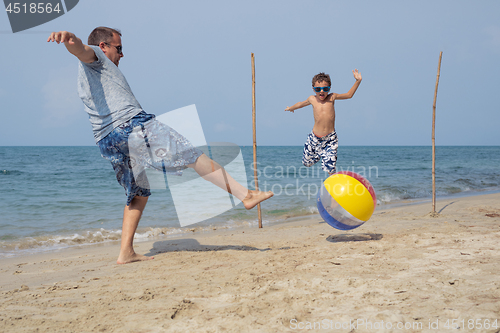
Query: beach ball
x=346 y=200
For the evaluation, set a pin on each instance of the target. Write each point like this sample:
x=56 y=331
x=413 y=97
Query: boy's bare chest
x=326 y=108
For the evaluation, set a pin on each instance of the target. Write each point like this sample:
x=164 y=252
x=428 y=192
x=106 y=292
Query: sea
x=52 y=198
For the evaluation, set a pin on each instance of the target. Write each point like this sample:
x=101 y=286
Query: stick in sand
x=434 y=138
x=255 y=140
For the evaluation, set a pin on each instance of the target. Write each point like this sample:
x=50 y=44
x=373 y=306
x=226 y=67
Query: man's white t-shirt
x=107 y=97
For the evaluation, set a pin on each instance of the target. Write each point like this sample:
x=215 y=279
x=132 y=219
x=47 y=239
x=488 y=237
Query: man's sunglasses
x=118 y=48
x=318 y=89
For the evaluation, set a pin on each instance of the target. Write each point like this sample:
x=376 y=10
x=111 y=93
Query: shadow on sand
x=176 y=245
x=354 y=237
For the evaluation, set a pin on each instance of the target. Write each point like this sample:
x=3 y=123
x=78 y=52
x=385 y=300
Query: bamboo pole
x=434 y=137
x=255 y=140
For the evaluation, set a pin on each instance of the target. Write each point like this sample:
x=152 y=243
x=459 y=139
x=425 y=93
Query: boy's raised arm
x=74 y=45
x=350 y=93
x=298 y=105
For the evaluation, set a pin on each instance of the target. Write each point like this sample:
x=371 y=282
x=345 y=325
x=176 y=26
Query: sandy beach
x=403 y=270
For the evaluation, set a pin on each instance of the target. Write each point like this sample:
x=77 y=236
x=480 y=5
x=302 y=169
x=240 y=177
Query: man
x=115 y=113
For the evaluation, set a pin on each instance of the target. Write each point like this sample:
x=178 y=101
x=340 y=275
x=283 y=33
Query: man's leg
x=216 y=174
x=131 y=216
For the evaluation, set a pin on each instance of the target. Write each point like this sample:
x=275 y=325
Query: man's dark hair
x=322 y=77
x=102 y=34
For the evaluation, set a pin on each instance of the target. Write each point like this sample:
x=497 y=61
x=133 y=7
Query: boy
x=322 y=141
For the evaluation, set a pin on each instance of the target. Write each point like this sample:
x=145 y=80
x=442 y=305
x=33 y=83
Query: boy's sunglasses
x=118 y=48
x=318 y=89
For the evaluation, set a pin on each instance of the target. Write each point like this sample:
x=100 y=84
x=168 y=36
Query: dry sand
x=403 y=268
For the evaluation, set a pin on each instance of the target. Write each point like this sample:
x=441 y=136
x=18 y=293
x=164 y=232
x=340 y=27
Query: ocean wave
x=54 y=242
x=10 y=172
x=280 y=214
x=386 y=197
x=39 y=244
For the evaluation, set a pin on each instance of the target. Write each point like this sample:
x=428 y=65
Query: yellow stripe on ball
x=351 y=194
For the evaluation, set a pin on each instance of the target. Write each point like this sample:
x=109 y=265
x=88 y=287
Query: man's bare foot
x=254 y=197
x=127 y=259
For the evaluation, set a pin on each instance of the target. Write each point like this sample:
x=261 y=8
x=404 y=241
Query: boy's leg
x=329 y=163
x=213 y=172
x=310 y=155
x=329 y=154
x=131 y=216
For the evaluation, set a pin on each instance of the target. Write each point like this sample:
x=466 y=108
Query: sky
x=178 y=53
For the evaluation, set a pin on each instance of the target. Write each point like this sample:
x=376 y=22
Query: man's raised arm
x=74 y=45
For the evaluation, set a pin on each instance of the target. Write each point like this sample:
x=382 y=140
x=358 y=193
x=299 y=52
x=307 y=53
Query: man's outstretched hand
x=74 y=45
x=62 y=37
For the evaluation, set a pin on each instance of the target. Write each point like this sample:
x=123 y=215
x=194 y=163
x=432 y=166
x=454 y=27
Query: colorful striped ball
x=346 y=200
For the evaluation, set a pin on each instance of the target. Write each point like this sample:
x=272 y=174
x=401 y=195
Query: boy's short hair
x=321 y=77
x=102 y=34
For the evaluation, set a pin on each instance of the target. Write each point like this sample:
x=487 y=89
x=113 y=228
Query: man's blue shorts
x=324 y=148
x=163 y=149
